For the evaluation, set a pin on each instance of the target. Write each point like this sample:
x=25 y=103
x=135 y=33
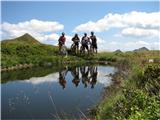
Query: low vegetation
x=136 y=92
x=137 y=95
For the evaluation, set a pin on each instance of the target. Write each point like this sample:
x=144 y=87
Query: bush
x=136 y=105
x=144 y=102
x=150 y=81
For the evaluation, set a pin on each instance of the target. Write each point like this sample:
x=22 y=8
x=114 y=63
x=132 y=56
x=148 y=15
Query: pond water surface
x=49 y=93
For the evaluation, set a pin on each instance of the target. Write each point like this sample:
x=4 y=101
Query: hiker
x=75 y=44
x=61 y=41
x=93 y=73
x=62 y=75
x=85 y=41
x=85 y=75
x=75 y=74
x=93 y=42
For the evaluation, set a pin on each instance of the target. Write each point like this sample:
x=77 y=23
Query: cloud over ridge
x=141 y=21
x=35 y=27
x=142 y=25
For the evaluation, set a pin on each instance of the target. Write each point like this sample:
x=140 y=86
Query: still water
x=51 y=93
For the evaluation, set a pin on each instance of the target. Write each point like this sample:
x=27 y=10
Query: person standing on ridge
x=93 y=42
x=85 y=41
x=76 y=40
x=61 y=41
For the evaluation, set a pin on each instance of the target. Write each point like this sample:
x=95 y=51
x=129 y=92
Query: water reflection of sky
x=32 y=98
x=102 y=77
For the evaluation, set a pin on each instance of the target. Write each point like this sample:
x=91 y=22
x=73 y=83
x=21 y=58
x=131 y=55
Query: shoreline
x=25 y=66
x=17 y=67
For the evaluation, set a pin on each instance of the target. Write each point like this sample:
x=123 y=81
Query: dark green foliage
x=152 y=72
x=141 y=103
x=136 y=105
x=150 y=81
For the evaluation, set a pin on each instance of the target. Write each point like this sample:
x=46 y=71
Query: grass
x=137 y=95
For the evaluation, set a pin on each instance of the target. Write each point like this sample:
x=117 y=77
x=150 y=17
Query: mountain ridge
x=26 y=38
x=142 y=49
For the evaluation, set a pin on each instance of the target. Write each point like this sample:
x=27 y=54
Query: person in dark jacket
x=93 y=42
x=76 y=40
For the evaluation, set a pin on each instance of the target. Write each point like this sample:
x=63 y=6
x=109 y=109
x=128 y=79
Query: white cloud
x=134 y=45
x=33 y=25
x=128 y=46
x=51 y=37
x=140 y=21
x=139 y=32
x=36 y=28
x=46 y=79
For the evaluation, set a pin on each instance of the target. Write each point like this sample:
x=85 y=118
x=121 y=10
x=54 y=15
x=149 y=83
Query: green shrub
x=136 y=105
x=142 y=102
x=150 y=81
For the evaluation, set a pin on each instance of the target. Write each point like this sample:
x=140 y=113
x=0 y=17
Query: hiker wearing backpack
x=75 y=44
x=85 y=41
x=61 y=41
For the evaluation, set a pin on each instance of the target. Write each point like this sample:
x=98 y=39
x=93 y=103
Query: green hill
x=25 y=49
x=24 y=39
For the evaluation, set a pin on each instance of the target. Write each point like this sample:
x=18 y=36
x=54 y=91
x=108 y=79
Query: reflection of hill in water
x=27 y=73
x=85 y=75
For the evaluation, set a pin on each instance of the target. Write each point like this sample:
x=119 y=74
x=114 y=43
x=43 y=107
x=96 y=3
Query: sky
x=118 y=25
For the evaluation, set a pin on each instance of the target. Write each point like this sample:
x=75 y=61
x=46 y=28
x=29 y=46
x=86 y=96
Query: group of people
x=88 y=44
x=88 y=76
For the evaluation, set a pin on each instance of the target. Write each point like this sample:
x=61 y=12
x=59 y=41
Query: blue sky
x=73 y=14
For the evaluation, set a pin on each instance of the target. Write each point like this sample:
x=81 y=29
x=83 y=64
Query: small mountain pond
x=54 y=92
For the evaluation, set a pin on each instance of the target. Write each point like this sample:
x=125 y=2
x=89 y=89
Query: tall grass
x=137 y=95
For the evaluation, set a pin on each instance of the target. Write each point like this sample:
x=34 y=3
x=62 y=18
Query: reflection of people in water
x=75 y=74
x=85 y=73
x=62 y=74
x=94 y=73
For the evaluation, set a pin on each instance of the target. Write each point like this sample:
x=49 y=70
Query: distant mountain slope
x=118 y=51
x=142 y=49
x=24 y=39
x=25 y=49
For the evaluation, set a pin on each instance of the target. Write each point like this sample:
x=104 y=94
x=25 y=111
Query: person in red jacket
x=61 y=40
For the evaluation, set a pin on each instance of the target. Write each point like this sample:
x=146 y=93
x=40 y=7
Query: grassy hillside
x=135 y=96
x=24 y=39
x=25 y=49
